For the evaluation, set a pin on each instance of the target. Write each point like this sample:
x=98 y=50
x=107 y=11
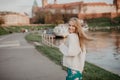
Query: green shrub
x=103 y=22
x=3 y=31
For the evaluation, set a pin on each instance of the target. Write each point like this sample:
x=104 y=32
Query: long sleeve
x=73 y=47
x=82 y=59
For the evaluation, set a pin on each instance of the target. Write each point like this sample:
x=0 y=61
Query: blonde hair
x=81 y=34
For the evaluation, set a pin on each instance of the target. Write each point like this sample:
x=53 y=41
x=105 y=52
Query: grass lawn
x=91 y=72
x=12 y=29
x=33 y=37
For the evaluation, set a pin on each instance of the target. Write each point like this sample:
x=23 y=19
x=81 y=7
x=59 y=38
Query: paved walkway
x=21 y=61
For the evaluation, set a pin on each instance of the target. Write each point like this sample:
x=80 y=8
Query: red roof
x=72 y=4
x=67 y=5
x=96 y=4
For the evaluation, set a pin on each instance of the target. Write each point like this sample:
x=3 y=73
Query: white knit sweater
x=73 y=57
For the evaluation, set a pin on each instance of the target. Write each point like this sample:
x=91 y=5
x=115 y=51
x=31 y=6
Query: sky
x=22 y=6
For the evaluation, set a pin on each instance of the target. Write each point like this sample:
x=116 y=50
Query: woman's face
x=72 y=28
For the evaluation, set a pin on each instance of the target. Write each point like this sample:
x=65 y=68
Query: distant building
x=81 y=9
x=12 y=18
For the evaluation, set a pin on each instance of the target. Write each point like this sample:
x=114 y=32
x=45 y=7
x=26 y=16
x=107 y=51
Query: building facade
x=82 y=9
x=12 y=18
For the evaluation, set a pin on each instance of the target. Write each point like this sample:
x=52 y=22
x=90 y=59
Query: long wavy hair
x=81 y=34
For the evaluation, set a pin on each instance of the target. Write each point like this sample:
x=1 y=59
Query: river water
x=104 y=51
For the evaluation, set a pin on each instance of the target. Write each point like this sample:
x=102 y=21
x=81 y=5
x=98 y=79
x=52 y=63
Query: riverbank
x=97 y=24
x=91 y=71
x=103 y=24
x=106 y=28
x=12 y=29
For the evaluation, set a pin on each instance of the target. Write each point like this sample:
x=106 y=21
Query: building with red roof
x=81 y=9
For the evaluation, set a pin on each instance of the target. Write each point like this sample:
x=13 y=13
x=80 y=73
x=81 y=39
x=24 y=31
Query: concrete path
x=21 y=61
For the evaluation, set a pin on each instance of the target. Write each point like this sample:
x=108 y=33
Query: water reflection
x=105 y=42
x=99 y=43
x=104 y=51
x=116 y=38
x=58 y=41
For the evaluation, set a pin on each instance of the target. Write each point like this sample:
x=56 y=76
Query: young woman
x=74 y=50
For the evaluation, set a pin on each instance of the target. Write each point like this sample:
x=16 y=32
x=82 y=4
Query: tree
x=1 y=21
x=58 y=18
x=39 y=17
x=48 y=17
